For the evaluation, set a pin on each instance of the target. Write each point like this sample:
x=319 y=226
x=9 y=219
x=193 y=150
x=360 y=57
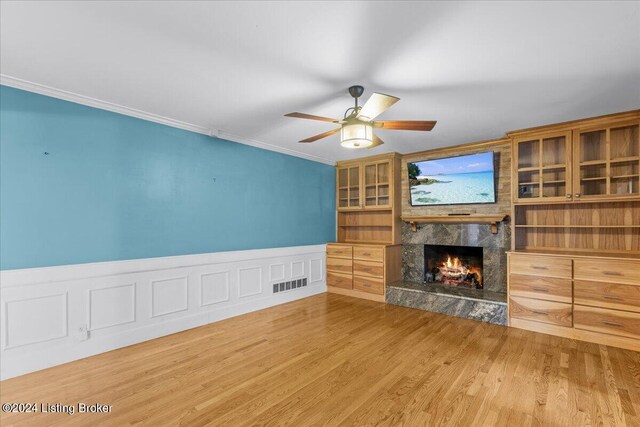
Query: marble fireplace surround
x=488 y=304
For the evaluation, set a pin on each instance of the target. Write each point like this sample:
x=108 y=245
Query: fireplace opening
x=457 y=266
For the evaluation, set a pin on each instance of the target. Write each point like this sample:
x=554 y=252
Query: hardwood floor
x=332 y=359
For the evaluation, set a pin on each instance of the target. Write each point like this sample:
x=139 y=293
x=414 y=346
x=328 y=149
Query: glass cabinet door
x=354 y=187
x=349 y=187
x=607 y=162
x=625 y=160
x=543 y=168
x=376 y=184
x=343 y=188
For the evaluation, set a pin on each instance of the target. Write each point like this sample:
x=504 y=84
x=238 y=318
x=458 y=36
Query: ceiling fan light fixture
x=356 y=134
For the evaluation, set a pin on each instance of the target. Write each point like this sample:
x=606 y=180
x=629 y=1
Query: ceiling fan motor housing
x=356 y=91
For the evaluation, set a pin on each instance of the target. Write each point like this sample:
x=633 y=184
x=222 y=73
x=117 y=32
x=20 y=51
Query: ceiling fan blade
x=311 y=117
x=321 y=135
x=376 y=105
x=405 y=124
x=376 y=141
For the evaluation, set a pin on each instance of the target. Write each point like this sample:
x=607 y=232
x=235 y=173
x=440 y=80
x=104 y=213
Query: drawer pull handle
x=606 y=322
x=611 y=297
x=539 y=267
x=612 y=273
x=540 y=289
x=540 y=312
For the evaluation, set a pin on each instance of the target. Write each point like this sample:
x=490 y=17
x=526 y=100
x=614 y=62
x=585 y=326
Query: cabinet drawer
x=371 y=285
x=368 y=269
x=612 y=322
x=546 y=288
x=545 y=266
x=339 y=280
x=606 y=295
x=339 y=251
x=339 y=265
x=369 y=253
x=616 y=270
x=556 y=313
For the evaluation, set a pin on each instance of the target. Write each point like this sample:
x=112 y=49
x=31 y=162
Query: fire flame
x=453 y=269
x=455 y=264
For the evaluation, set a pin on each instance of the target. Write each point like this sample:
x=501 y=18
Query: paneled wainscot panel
x=35 y=320
x=297 y=269
x=112 y=306
x=276 y=272
x=315 y=270
x=169 y=296
x=249 y=281
x=214 y=288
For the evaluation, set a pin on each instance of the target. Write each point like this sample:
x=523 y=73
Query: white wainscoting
x=54 y=315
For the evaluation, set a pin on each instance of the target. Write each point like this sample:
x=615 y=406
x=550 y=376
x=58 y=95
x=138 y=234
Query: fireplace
x=456 y=266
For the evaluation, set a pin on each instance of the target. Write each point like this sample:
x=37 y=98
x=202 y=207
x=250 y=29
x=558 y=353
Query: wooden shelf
x=555 y=166
x=456 y=219
x=595 y=178
x=529 y=169
x=625 y=159
x=593 y=162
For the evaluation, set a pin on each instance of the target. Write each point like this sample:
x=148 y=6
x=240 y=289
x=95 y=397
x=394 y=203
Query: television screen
x=452 y=180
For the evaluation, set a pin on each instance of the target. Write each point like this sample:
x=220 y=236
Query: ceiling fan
x=356 y=128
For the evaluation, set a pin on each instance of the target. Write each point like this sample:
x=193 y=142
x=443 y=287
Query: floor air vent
x=290 y=285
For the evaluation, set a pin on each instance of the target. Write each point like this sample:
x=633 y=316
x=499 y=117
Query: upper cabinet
x=607 y=161
x=349 y=187
x=543 y=167
x=591 y=160
x=365 y=184
x=377 y=181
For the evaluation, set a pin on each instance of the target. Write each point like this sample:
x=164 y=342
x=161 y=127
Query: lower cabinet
x=589 y=298
x=362 y=270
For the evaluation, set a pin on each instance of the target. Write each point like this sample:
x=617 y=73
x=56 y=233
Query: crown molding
x=139 y=114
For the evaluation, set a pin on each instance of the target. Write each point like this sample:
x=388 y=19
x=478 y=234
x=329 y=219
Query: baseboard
x=55 y=315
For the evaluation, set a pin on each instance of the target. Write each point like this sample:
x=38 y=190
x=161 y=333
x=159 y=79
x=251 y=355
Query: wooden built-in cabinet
x=576 y=186
x=542 y=165
x=575 y=266
x=367 y=254
x=593 y=298
x=592 y=159
x=368 y=202
x=362 y=270
x=607 y=161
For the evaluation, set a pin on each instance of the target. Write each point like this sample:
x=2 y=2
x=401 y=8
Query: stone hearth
x=485 y=306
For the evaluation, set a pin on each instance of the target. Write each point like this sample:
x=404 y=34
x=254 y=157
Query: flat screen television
x=452 y=180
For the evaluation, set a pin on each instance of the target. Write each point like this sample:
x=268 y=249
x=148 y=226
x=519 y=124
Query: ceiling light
x=356 y=134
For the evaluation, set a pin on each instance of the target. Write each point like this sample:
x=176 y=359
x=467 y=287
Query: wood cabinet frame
x=567 y=165
x=606 y=127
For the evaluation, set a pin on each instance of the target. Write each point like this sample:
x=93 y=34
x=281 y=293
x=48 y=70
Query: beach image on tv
x=452 y=180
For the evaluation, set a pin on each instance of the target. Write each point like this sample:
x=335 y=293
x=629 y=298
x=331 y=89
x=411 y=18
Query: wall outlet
x=82 y=334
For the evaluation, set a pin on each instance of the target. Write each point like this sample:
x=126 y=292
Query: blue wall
x=115 y=187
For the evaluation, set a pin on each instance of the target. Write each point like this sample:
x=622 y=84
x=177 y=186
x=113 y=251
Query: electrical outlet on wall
x=82 y=333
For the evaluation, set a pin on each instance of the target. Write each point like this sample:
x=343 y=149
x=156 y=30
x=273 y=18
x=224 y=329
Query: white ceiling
x=478 y=68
